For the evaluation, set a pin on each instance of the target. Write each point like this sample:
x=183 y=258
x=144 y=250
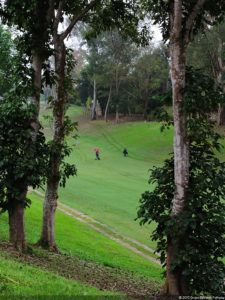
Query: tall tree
x=33 y=19
x=207 y=52
x=179 y=21
x=101 y=15
x=110 y=56
x=200 y=246
x=149 y=77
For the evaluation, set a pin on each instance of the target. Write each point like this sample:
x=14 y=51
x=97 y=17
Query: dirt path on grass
x=107 y=231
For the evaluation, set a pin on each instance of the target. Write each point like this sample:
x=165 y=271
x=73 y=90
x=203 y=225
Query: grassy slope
x=73 y=238
x=109 y=189
x=19 y=279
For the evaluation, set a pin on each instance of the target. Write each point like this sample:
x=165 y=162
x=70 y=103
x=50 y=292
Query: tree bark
x=93 y=109
x=221 y=115
x=107 y=105
x=175 y=283
x=61 y=100
x=48 y=220
x=16 y=213
x=17 y=234
x=50 y=203
x=35 y=99
x=221 y=68
x=145 y=115
x=117 y=115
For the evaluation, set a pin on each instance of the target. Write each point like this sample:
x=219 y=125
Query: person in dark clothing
x=97 y=155
x=125 y=153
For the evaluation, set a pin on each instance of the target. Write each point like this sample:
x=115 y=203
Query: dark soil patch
x=92 y=273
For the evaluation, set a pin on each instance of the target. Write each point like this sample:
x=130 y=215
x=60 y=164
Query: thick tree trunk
x=108 y=101
x=47 y=239
x=17 y=234
x=16 y=213
x=180 y=32
x=48 y=222
x=93 y=109
x=175 y=283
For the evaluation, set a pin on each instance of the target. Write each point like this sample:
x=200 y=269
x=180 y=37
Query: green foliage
x=22 y=162
x=88 y=102
x=160 y=10
x=198 y=230
x=133 y=78
x=60 y=152
x=29 y=17
x=122 y=16
x=6 y=60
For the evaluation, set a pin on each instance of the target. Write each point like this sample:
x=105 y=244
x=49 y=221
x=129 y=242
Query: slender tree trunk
x=107 y=105
x=117 y=115
x=221 y=68
x=146 y=106
x=93 y=109
x=50 y=203
x=35 y=99
x=145 y=115
x=221 y=115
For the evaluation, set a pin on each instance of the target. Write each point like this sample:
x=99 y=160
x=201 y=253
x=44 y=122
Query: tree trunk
x=175 y=283
x=93 y=109
x=221 y=115
x=35 y=99
x=47 y=239
x=48 y=222
x=16 y=213
x=220 y=70
x=180 y=32
x=17 y=234
x=145 y=115
x=107 y=105
x=117 y=115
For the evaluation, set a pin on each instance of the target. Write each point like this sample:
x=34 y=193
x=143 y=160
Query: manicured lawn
x=76 y=238
x=109 y=189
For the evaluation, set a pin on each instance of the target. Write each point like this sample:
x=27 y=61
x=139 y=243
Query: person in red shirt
x=97 y=153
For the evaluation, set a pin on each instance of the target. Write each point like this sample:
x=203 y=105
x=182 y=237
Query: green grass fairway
x=108 y=190
x=76 y=238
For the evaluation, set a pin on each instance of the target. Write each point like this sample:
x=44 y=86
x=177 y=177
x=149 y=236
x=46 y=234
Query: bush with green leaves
x=198 y=230
x=88 y=102
x=22 y=161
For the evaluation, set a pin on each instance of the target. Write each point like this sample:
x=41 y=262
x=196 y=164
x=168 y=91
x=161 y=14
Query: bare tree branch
x=78 y=18
x=190 y=20
x=50 y=13
x=58 y=17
